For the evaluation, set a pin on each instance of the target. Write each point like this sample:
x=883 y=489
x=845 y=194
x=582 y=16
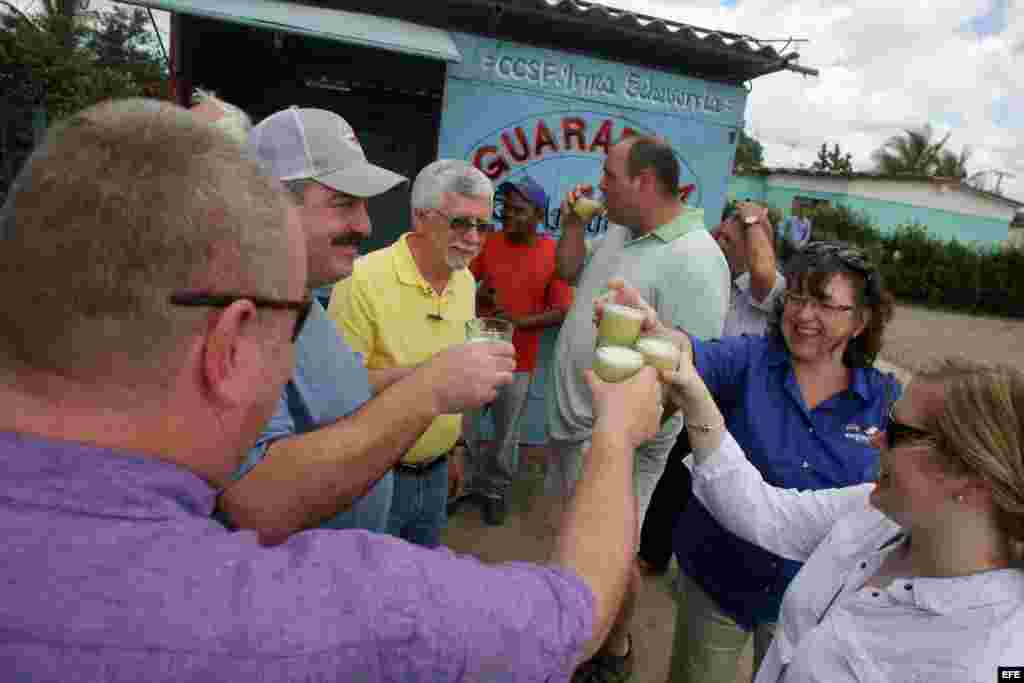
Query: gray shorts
x=565 y=467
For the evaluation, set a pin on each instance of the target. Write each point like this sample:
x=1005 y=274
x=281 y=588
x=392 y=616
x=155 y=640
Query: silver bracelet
x=704 y=427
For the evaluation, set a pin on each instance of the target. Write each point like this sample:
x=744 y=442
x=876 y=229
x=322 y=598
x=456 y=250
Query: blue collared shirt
x=753 y=382
x=330 y=382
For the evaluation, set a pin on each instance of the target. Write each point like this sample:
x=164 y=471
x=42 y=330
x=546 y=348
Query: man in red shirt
x=517 y=281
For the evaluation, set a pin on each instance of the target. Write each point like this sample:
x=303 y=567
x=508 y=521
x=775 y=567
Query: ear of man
x=231 y=354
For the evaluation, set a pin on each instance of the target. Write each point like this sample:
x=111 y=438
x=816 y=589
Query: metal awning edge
x=435 y=43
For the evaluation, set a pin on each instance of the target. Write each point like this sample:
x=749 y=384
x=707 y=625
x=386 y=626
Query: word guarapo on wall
x=633 y=86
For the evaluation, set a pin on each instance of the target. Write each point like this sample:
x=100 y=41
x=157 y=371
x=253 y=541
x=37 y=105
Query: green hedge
x=923 y=270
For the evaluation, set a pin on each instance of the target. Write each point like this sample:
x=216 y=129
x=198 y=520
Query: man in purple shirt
x=156 y=284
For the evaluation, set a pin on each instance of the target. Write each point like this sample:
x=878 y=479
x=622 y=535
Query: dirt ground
x=915 y=336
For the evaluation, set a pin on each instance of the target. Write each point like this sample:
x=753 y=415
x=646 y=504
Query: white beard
x=457 y=261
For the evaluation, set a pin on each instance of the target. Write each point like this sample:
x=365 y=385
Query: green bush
x=921 y=269
x=842 y=223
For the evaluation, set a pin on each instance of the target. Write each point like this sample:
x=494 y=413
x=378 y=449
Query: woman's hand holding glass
x=622 y=294
x=683 y=386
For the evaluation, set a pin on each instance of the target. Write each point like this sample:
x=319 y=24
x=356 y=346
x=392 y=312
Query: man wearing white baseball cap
x=326 y=456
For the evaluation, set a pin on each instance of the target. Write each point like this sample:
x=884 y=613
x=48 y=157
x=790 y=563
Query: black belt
x=420 y=469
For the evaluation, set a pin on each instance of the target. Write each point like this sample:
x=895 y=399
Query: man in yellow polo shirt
x=407 y=302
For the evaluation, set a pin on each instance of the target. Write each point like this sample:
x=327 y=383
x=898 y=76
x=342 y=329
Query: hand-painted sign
x=575 y=75
x=512 y=109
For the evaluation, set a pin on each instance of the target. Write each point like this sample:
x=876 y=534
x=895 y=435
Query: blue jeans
x=490 y=472
x=419 y=508
x=370 y=512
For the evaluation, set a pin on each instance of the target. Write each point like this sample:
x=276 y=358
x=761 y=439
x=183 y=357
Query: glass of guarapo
x=488 y=329
x=586 y=208
x=621 y=351
x=620 y=325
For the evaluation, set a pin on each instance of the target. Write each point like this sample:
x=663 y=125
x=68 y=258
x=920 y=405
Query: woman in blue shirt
x=802 y=402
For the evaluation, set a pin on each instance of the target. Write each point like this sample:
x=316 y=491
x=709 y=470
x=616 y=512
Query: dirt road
x=918 y=334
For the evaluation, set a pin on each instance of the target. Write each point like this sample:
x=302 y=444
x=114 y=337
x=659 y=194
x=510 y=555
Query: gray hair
x=235 y=122
x=448 y=176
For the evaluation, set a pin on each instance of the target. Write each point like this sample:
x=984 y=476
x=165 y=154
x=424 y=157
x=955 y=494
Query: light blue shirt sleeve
x=329 y=382
x=281 y=424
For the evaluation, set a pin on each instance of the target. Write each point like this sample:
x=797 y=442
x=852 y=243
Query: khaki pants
x=708 y=643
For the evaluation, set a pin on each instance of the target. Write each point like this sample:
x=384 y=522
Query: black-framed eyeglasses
x=798 y=302
x=896 y=431
x=463 y=224
x=225 y=300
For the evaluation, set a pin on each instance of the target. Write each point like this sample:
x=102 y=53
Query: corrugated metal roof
x=606 y=32
x=664 y=27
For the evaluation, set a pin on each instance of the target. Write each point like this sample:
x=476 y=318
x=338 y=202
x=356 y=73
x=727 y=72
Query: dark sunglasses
x=225 y=300
x=463 y=224
x=896 y=431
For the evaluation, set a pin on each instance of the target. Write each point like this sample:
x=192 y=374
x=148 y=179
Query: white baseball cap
x=319 y=145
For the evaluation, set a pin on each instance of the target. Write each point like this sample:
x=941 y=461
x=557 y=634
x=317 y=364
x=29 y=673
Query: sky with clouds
x=884 y=66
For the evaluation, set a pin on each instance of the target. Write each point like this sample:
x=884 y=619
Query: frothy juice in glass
x=488 y=330
x=617 y=363
x=658 y=352
x=620 y=325
x=586 y=208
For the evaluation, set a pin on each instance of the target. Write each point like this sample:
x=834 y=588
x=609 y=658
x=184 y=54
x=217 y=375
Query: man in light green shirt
x=663 y=249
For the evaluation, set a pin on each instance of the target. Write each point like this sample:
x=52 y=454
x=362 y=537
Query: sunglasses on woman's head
x=849 y=256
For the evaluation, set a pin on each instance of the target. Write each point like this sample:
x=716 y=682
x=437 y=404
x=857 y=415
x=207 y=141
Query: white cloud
x=884 y=66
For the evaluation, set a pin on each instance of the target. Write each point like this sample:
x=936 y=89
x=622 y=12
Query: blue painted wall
x=887 y=216
x=512 y=109
x=746 y=187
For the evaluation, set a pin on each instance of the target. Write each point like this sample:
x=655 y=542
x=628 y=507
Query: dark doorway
x=392 y=100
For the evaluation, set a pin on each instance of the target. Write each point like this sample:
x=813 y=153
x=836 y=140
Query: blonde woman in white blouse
x=918 y=577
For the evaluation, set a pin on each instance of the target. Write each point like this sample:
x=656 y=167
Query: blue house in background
x=947 y=207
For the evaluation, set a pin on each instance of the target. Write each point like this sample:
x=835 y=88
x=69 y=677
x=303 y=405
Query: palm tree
x=952 y=166
x=914 y=152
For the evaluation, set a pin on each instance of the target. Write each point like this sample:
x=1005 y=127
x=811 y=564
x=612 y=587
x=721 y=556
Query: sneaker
x=606 y=668
x=494 y=510
x=455 y=502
